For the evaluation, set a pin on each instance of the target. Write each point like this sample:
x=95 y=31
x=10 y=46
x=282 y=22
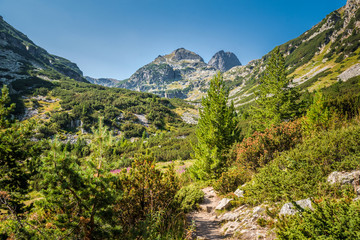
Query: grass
x=179 y=165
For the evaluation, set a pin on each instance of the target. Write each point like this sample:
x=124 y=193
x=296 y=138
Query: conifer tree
x=5 y=108
x=216 y=131
x=276 y=99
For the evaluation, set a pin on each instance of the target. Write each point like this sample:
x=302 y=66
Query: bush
x=231 y=180
x=329 y=220
x=259 y=149
x=302 y=171
x=189 y=197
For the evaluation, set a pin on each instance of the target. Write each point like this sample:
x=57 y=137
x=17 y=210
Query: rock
x=183 y=54
x=258 y=210
x=106 y=82
x=351 y=72
x=223 y=204
x=190 y=118
x=229 y=216
x=239 y=193
x=230 y=227
x=224 y=61
x=356 y=199
x=289 y=208
x=343 y=178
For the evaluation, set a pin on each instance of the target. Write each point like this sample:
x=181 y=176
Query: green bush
x=329 y=220
x=189 y=197
x=231 y=180
x=302 y=171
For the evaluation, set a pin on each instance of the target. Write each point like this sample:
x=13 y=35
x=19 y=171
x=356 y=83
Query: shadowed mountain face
x=224 y=61
x=19 y=55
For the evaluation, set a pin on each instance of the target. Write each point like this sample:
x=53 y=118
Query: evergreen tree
x=216 y=131
x=276 y=99
x=5 y=108
x=79 y=193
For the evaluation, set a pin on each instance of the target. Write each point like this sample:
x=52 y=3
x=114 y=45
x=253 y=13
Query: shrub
x=231 y=180
x=259 y=149
x=302 y=171
x=189 y=197
x=329 y=220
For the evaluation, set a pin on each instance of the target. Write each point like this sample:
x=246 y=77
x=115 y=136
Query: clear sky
x=113 y=38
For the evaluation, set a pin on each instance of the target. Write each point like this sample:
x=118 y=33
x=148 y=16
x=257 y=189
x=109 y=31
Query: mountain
x=106 y=82
x=19 y=55
x=224 y=61
x=181 y=74
x=320 y=57
x=53 y=91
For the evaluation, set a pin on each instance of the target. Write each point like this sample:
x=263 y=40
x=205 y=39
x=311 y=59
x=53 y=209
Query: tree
x=78 y=192
x=5 y=108
x=276 y=99
x=216 y=131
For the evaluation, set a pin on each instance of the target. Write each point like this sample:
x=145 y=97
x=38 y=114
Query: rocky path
x=207 y=225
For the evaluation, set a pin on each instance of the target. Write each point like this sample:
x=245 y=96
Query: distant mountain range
x=321 y=56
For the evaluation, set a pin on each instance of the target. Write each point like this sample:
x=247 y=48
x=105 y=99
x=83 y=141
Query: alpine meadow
x=183 y=148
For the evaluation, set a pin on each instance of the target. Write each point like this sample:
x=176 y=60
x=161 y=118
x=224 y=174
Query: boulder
x=290 y=209
x=343 y=178
x=239 y=193
x=223 y=204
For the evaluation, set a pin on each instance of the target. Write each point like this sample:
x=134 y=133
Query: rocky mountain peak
x=352 y=5
x=224 y=61
x=184 y=54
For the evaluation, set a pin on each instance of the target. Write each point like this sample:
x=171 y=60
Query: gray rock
x=230 y=227
x=351 y=72
x=343 y=178
x=223 y=204
x=224 y=61
x=258 y=210
x=290 y=209
x=230 y=216
x=107 y=82
x=183 y=54
x=239 y=193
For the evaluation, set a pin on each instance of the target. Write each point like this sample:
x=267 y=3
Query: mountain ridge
x=20 y=55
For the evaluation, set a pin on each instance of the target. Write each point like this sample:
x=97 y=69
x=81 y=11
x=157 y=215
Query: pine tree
x=216 y=131
x=5 y=108
x=276 y=99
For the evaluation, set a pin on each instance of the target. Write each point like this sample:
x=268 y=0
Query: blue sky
x=113 y=38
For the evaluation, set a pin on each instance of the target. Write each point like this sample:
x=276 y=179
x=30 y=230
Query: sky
x=114 y=38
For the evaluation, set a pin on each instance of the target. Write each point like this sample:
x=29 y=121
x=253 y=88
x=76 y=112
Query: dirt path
x=207 y=225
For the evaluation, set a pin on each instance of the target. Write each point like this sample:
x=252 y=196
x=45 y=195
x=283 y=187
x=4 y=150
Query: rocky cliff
x=224 y=61
x=19 y=55
x=181 y=73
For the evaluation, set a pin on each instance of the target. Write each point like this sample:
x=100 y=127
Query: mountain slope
x=19 y=55
x=106 y=82
x=318 y=58
x=52 y=91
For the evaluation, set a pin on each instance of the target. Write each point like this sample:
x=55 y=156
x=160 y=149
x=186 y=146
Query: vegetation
x=98 y=163
x=275 y=100
x=216 y=131
x=329 y=220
